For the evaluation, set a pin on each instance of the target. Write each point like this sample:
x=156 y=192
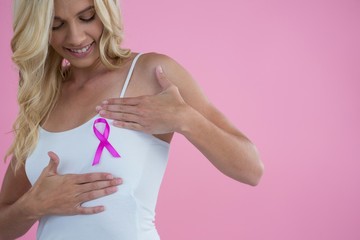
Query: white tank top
x=130 y=212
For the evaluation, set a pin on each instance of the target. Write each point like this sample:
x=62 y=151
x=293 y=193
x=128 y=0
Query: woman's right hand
x=54 y=194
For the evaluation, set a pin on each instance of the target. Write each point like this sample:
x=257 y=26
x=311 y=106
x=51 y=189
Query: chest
x=76 y=106
x=78 y=147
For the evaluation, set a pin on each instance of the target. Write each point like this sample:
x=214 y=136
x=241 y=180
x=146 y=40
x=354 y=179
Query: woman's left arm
x=182 y=107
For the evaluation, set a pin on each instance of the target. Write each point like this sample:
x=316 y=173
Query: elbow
x=257 y=167
x=251 y=170
x=256 y=175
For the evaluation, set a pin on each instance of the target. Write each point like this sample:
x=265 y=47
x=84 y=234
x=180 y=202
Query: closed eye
x=57 y=26
x=86 y=15
x=89 y=19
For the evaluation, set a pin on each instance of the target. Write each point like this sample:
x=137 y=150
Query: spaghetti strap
x=128 y=77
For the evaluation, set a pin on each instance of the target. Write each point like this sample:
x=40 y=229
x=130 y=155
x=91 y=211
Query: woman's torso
x=130 y=212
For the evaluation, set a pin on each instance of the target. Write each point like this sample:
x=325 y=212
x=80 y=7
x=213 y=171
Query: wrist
x=187 y=120
x=27 y=207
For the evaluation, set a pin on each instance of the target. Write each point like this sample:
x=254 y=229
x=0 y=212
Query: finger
x=123 y=101
x=53 y=163
x=162 y=79
x=120 y=108
x=88 y=187
x=128 y=125
x=91 y=177
x=119 y=116
x=90 y=210
x=88 y=196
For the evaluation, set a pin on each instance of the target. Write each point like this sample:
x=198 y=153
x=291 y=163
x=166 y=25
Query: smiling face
x=76 y=32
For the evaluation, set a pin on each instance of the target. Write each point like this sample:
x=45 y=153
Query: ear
x=162 y=78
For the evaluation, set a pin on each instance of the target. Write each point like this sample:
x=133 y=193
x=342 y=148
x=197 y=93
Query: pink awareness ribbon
x=103 y=141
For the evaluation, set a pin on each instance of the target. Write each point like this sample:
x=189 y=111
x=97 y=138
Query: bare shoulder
x=170 y=66
x=152 y=59
x=175 y=72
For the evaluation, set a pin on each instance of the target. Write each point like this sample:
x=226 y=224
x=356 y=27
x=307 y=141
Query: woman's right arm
x=14 y=221
x=21 y=204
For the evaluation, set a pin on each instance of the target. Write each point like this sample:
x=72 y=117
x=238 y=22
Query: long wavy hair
x=41 y=70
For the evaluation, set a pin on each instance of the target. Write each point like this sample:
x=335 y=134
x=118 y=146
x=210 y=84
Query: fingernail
x=102 y=112
x=109 y=177
x=119 y=181
x=98 y=108
x=160 y=69
x=105 y=102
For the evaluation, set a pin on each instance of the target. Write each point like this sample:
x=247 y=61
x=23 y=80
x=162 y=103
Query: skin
x=162 y=99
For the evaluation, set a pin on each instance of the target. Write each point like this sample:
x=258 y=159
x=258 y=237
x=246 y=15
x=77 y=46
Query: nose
x=75 y=36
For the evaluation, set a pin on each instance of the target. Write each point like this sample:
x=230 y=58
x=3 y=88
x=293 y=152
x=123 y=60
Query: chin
x=83 y=63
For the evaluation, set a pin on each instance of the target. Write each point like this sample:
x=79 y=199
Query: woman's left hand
x=157 y=114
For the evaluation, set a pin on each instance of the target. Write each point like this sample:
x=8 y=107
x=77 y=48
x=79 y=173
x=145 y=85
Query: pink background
x=287 y=74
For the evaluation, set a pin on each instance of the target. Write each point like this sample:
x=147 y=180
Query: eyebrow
x=79 y=13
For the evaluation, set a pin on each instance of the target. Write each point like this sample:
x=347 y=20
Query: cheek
x=56 y=42
x=57 y=46
x=98 y=30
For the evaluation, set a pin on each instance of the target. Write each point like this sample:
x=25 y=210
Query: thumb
x=162 y=79
x=53 y=163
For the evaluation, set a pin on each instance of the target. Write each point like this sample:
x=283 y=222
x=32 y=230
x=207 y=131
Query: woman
x=104 y=117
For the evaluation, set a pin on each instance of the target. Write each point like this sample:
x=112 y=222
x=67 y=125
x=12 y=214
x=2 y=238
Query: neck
x=80 y=76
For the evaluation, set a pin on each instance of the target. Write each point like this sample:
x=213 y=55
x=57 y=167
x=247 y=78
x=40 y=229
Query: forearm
x=15 y=220
x=233 y=155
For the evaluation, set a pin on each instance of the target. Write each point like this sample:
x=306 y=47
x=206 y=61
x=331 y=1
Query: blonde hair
x=40 y=67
